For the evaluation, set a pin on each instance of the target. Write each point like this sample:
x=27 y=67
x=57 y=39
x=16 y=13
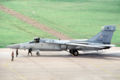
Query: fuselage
x=54 y=45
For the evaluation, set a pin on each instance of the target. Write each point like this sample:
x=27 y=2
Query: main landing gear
x=74 y=52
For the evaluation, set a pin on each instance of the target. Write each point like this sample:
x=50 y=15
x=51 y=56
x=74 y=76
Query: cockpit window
x=37 y=40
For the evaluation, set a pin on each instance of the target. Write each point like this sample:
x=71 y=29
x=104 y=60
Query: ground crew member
x=30 y=51
x=12 y=55
x=16 y=52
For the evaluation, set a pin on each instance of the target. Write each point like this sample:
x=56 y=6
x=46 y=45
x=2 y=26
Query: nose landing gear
x=37 y=53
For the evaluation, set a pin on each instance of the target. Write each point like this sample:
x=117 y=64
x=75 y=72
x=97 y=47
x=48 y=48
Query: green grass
x=13 y=30
x=75 y=18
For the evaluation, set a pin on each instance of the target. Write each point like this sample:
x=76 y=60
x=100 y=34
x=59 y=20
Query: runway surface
x=60 y=66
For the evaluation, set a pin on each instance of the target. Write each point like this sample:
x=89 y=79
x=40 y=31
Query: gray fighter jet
x=99 y=42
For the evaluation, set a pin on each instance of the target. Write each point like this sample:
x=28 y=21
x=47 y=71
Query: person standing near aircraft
x=30 y=51
x=16 y=52
x=12 y=55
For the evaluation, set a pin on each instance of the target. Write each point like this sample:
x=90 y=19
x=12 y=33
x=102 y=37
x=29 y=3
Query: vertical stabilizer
x=104 y=36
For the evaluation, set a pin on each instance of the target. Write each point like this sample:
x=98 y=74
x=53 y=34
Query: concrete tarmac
x=60 y=66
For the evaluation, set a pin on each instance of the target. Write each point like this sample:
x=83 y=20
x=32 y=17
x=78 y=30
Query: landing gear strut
x=74 y=52
x=37 y=53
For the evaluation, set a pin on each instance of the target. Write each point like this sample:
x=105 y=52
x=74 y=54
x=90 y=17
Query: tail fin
x=104 y=36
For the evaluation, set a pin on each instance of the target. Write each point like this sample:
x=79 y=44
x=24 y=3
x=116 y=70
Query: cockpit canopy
x=37 y=40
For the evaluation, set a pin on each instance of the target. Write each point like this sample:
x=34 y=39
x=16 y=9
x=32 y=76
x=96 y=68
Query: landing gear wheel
x=38 y=54
x=74 y=52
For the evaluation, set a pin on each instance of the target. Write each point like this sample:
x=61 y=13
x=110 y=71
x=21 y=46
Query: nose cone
x=14 y=46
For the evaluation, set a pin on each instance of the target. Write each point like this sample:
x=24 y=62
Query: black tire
x=38 y=54
x=71 y=51
x=75 y=53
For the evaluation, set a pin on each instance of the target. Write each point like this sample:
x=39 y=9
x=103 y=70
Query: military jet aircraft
x=99 y=42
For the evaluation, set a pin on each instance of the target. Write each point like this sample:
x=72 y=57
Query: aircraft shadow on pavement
x=106 y=56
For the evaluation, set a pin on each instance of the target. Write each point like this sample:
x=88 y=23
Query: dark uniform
x=16 y=52
x=30 y=51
